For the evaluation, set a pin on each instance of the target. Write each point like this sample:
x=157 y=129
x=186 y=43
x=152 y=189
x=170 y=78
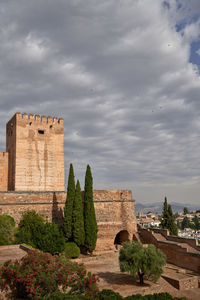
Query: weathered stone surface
x=36 y=153
x=3 y=171
x=114 y=215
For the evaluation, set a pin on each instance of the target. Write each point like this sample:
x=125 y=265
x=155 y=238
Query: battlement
x=39 y=119
x=3 y=154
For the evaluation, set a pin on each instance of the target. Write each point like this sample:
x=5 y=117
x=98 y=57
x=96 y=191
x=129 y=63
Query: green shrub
x=30 y=228
x=62 y=296
x=107 y=294
x=50 y=239
x=34 y=231
x=160 y=296
x=7 y=229
x=38 y=275
x=71 y=250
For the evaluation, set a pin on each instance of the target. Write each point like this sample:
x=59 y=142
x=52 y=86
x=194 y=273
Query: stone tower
x=35 y=147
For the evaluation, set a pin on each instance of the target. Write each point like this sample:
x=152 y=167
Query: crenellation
x=37 y=118
x=55 y=120
x=49 y=120
x=25 y=116
x=44 y=119
x=31 y=117
x=61 y=121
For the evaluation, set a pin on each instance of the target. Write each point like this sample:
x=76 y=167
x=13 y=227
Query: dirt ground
x=107 y=268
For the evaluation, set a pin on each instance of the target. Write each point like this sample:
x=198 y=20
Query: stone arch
x=121 y=237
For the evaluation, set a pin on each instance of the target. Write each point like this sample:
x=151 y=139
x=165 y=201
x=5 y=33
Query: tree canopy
x=90 y=222
x=168 y=219
x=141 y=261
x=68 y=209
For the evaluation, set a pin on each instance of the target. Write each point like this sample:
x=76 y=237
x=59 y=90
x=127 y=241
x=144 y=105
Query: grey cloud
x=118 y=73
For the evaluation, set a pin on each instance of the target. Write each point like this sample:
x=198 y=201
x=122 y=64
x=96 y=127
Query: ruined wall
x=3 y=171
x=180 y=254
x=114 y=210
x=36 y=153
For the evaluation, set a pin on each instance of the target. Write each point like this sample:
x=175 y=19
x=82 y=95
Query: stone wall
x=3 y=171
x=180 y=254
x=114 y=210
x=187 y=283
x=36 y=153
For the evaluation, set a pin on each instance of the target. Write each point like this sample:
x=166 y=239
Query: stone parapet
x=112 y=217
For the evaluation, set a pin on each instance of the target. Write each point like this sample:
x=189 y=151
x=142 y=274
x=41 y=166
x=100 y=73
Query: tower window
x=41 y=131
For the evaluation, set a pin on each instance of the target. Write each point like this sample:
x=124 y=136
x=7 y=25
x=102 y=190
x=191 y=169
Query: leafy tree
x=173 y=230
x=78 y=232
x=185 y=223
x=90 y=223
x=68 y=209
x=196 y=223
x=141 y=261
x=7 y=228
x=185 y=211
x=165 y=217
x=168 y=219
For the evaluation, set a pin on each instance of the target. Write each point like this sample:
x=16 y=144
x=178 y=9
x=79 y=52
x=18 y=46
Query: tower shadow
x=57 y=213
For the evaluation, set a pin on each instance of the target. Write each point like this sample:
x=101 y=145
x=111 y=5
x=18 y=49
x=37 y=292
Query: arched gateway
x=116 y=219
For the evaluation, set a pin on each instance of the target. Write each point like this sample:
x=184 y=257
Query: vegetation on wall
x=90 y=223
x=141 y=261
x=168 y=219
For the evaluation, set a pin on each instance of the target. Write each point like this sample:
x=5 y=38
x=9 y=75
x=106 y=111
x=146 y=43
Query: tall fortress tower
x=35 y=147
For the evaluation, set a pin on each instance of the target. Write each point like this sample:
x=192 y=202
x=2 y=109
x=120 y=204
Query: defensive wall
x=114 y=209
x=182 y=252
x=34 y=158
x=3 y=171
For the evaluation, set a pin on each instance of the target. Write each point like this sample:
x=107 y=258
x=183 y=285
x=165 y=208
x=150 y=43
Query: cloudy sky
x=124 y=75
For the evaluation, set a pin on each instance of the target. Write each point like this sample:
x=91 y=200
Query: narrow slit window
x=41 y=131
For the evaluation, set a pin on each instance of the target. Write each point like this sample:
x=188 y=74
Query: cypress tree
x=173 y=230
x=168 y=219
x=164 y=222
x=90 y=223
x=78 y=232
x=68 y=209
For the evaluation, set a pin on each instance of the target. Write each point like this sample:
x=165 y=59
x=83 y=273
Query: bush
x=34 y=231
x=160 y=296
x=7 y=228
x=61 y=296
x=38 y=275
x=108 y=295
x=30 y=228
x=51 y=240
x=71 y=250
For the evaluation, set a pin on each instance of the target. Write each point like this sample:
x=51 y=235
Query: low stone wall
x=187 y=283
x=177 y=253
x=114 y=210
